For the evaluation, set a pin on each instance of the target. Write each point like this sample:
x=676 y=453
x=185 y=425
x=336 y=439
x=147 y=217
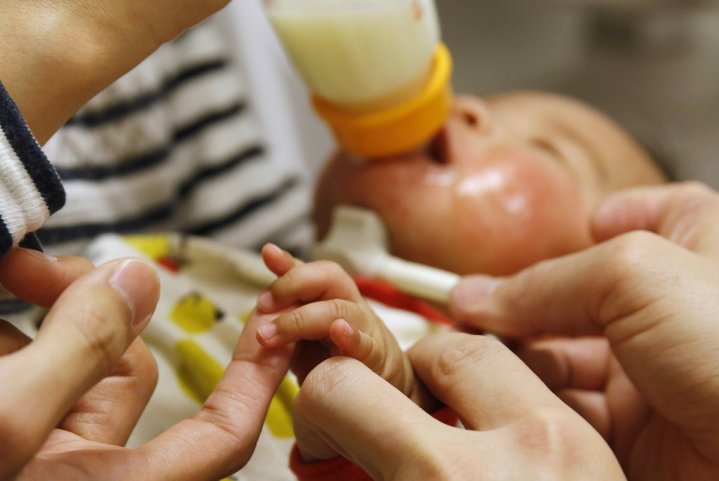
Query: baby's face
x=510 y=181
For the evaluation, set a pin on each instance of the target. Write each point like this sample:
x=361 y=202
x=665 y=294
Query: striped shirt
x=175 y=146
x=172 y=146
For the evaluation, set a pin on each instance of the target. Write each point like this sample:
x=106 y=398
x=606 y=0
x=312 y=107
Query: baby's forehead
x=540 y=103
x=547 y=113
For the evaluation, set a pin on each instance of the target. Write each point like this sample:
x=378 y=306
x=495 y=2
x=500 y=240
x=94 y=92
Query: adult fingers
x=618 y=414
x=658 y=318
x=687 y=214
x=110 y=410
x=84 y=335
x=585 y=375
x=479 y=378
x=581 y=363
x=335 y=412
x=11 y=338
x=629 y=289
x=592 y=406
x=219 y=440
x=579 y=294
x=39 y=278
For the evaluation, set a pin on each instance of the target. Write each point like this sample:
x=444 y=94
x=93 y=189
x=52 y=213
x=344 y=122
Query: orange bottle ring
x=398 y=129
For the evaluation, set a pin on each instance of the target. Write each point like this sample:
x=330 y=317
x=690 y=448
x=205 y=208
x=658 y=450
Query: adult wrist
x=58 y=55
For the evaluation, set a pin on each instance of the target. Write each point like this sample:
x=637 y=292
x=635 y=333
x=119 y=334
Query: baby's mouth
x=438 y=149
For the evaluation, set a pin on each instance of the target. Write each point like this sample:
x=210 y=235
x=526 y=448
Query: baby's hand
x=332 y=314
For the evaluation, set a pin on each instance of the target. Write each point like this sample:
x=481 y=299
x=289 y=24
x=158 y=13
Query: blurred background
x=653 y=65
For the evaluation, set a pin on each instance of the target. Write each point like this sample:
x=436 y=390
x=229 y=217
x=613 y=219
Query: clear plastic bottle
x=377 y=70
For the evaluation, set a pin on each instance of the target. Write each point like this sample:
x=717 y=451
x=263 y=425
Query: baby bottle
x=377 y=70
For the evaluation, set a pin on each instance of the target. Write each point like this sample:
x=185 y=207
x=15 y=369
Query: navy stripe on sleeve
x=28 y=150
x=5 y=238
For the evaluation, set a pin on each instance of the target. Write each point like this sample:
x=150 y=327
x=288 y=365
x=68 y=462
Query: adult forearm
x=57 y=55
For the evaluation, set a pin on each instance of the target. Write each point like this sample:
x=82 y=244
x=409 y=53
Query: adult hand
x=56 y=405
x=95 y=316
x=643 y=361
x=57 y=55
x=516 y=428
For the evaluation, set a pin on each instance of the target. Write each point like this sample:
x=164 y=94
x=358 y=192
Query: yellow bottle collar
x=398 y=129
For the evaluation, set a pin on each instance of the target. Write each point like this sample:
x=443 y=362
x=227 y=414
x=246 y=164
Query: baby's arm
x=332 y=312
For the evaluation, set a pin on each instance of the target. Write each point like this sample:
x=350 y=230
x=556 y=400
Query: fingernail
x=606 y=213
x=347 y=328
x=472 y=290
x=39 y=255
x=137 y=284
x=273 y=247
x=265 y=301
x=267 y=331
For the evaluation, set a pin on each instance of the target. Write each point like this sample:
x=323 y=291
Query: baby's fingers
x=315 y=281
x=311 y=322
x=355 y=343
x=278 y=260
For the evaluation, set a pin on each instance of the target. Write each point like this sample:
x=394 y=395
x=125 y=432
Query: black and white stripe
x=30 y=189
x=175 y=146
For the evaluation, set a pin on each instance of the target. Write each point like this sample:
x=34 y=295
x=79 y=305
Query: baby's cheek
x=557 y=223
x=536 y=213
x=534 y=219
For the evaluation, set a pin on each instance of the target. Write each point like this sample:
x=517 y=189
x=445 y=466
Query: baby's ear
x=278 y=260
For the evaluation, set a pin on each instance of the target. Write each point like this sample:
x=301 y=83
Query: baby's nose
x=474 y=112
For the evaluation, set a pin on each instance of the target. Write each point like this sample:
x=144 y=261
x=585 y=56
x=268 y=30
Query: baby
x=511 y=180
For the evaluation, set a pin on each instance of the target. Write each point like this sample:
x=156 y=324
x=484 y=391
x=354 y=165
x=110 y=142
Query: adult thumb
x=343 y=407
x=686 y=214
x=83 y=336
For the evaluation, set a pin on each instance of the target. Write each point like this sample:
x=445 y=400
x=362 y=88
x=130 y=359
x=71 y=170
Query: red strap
x=169 y=263
x=389 y=295
x=337 y=469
